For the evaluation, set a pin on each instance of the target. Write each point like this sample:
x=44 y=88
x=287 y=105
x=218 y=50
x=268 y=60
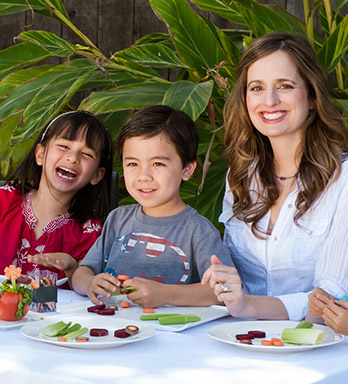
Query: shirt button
x=275 y=238
x=289 y=205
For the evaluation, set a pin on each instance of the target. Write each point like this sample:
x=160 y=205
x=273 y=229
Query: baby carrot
x=124 y=304
x=279 y=343
x=122 y=278
x=266 y=342
x=275 y=339
x=63 y=339
x=148 y=310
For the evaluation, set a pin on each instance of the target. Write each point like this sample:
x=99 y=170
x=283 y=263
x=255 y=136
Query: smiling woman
x=58 y=196
x=287 y=184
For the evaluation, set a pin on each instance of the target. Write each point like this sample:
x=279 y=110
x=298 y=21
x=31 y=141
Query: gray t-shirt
x=173 y=250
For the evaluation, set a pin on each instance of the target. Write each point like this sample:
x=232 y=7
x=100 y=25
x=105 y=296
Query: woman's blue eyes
x=259 y=88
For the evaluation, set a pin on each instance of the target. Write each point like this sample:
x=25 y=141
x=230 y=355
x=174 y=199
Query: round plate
x=32 y=331
x=227 y=334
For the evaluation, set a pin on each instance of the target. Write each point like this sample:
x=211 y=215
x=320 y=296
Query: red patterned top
x=18 y=240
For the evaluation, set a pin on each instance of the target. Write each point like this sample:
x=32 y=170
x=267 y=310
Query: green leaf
x=153 y=55
x=189 y=97
x=194 y=40
x=39 y=6
x=125 y=97
x=20 y=56
x=156 y=38
x=48 y=94
x=223 y=8
x=49 y=41
x=335 y=47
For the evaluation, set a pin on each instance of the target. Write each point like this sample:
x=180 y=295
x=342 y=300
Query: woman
x=287 y=187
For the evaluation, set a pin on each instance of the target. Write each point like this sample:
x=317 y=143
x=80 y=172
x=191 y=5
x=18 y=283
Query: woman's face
x=277 y=97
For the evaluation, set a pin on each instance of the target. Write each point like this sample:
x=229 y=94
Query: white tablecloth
x=190 y=356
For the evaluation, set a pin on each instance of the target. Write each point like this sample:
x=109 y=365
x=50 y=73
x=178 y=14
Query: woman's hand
x=148 y=293
x=335 y=316
x=317 y=301
x=59 y=260
x=221 y=276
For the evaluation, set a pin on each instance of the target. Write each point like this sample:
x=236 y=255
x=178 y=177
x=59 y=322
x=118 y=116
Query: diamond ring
x=224 y=287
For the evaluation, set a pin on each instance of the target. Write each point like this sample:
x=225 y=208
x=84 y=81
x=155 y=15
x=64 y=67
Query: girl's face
x=153 y=173
x=67 y=166
x=277 y=97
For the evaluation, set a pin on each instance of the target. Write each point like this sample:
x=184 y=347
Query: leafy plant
x=203 y=56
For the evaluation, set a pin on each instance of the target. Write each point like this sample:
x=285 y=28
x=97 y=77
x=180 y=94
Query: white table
x=190 y=356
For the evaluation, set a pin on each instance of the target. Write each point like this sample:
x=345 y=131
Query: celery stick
x=303 y=336
x=73 y=328
x=180 y=319
x=53 y=330
x=77 y=333
x=304 y=324
x=157 y=316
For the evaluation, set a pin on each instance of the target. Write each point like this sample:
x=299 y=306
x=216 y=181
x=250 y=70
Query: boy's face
x=153 y=172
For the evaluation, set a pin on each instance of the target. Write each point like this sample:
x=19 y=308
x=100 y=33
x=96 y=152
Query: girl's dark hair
x=248 y=152
x=92 y=201
x=176 y=125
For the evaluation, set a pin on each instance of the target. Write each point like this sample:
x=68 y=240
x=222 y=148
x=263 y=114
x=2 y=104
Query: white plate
x=2 y=278
x=133 y=313
x=32 y=331
x=29 y=318
x=227 y=334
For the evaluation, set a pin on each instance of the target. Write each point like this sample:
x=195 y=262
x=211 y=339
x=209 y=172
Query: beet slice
x=244 y=336
x=97 y=332
x=106 y=312
x=121 y=333
x=257 y=334
x=132 y=329
x=96 y=308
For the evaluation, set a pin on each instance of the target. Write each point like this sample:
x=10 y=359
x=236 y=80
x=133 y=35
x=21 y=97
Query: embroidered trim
x=31 y=220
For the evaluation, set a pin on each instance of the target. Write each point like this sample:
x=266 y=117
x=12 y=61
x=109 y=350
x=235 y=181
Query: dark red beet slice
x=257 y=334
x=244 y=336
x=97 y=332
x=121 y=333
x=96 y=308
x=106 y=312
x=132 y=329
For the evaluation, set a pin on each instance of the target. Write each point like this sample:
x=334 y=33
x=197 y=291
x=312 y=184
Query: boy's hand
x=148 y=294
x=101 y=285
x=317 y=301
x=222 y=277
x=335 y=316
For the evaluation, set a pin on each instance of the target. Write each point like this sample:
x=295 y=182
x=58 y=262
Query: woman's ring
x=224 y=287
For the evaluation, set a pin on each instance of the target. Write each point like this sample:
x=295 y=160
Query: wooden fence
x=111 y=24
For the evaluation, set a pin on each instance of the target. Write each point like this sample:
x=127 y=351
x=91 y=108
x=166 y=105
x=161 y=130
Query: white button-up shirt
x=292 y=260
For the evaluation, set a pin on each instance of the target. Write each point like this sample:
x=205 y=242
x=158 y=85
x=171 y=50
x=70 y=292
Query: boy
x=161 y=243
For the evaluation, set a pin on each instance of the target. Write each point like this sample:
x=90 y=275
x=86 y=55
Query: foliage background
x=186 y=59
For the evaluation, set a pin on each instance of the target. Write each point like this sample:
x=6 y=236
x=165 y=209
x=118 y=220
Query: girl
x=51 y=211
x=287 y=187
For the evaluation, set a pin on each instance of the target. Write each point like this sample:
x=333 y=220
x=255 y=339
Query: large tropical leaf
x=39 y=6
x=50 y=42
x=153 y=55
x=335 y=47
x=194 y=40
x=20 y=56
x=125 y=97
x=189 y=97
x=50 y=93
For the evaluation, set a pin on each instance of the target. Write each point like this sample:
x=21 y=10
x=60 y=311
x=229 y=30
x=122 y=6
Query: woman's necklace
x=286 y=177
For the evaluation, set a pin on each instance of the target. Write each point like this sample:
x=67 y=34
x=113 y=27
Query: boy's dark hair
x=92 y=201
x=176 y=125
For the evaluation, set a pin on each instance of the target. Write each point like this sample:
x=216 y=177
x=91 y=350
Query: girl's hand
x=335 y=316
x=101 y=284
x=148 y=294
x=317 y=301
x=220 y=276
x=59 y=260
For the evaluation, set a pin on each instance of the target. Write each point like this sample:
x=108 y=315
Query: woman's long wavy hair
x=248 y=152
x=92 y=201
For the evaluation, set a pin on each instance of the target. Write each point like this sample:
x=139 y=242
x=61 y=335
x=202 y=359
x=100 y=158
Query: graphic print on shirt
x=149 y=256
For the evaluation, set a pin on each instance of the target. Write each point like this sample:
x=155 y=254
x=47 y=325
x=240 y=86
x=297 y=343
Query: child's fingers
x=342 y=303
